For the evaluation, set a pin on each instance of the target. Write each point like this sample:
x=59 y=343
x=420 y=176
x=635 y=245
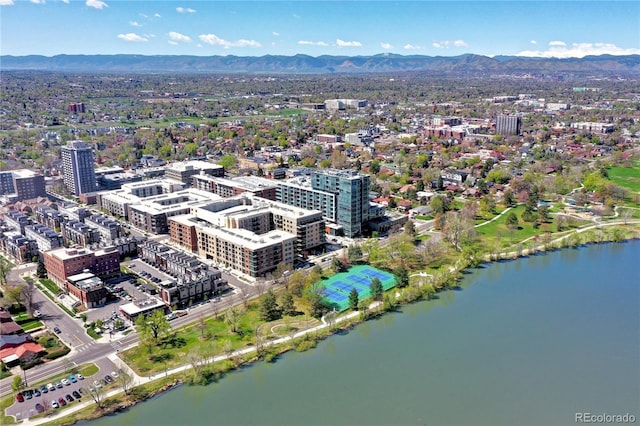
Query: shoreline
x=304 y=339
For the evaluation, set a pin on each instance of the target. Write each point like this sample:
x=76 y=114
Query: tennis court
x=338 y=287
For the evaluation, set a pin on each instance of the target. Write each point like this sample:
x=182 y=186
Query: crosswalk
x=85 y=347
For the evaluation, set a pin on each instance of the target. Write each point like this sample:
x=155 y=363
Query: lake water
x=525 y=342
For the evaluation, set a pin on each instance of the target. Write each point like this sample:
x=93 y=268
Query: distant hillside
x=304 y=64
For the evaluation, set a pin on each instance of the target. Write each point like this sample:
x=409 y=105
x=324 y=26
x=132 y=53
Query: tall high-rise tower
x=508 y=125
x=78 y=168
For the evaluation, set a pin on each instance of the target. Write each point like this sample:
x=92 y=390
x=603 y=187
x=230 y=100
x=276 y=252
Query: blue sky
x=348 y=27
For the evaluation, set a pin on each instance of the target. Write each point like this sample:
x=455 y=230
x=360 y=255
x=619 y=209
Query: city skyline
x=346 y=28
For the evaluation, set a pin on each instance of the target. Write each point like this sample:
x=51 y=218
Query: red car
x=19 y=397
x=61 y=401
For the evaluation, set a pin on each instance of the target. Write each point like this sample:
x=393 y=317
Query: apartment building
x=17 y=221
x=594 y=127
x=63 y=262
x=20 y=248
x=80 y=233
x=225 y=187
x=508 y=125
x=248 y=233
x=88 y=289
x=45 y=237
x=193 y=280
x=184 y=170
x=341 y=195
x=78 y=167
x=109 y=229
x=25 y=184
x=48 y=216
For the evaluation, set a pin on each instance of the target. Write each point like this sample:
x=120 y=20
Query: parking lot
x=127 y=291
x=29 y=406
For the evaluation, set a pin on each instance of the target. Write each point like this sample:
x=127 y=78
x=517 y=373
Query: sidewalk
x=138 y=380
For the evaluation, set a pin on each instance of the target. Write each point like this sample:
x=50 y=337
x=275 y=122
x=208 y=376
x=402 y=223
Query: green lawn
x=627 y=177
x=498 y=230
x=174 y=349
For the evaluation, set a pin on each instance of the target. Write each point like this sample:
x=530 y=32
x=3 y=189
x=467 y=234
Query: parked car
x=37 y=314
x=54 y=404
x=27 y=394
x=75 y=394
x=68 y=397
x=61 y=401
x=66 y=382
x=19 y=397
x=51 y=387
x=57 y=329
x=114 y=375
x=97 y=384
x=72 y=379
x=39 y=408
x=79 y=376
x=43 y=389
x=36 y=392
x=108 y=378
x=59 y=385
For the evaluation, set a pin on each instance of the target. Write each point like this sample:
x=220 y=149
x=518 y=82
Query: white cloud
x=135 y=24
x=386 y=46
x=578 y=50
x=313 y=43
x=411 y=47
x=179 y=37
x=185 y=10
x=214 y=40
x=157 y=15
x=96 y=4
x=6 y=2
x=175 y=43
x=275 y=33
x=533 y=42
x=445 y=44
x=557 y=43
x=342 y=43
x=131 y=37
x=38 y=1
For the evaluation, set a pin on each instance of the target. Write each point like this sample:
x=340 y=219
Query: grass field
x=498 y=230
x=627 y=177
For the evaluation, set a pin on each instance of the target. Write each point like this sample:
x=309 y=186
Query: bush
x=57 y=353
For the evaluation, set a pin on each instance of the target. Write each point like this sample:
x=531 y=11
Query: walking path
x=138 y=380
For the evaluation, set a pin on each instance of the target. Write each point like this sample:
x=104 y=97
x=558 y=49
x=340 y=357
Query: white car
x=79 y=376
x=37 y=314
x=51 y=387
x=54 y=404
x=97 y=384
x=114 y=374
x=65 y=382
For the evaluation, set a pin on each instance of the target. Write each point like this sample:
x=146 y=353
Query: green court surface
x=337 y=288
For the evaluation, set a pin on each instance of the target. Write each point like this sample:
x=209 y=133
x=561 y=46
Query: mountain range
x=304 y=64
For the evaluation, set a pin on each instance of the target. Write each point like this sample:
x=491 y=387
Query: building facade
x=508 y=125
x=78 y=167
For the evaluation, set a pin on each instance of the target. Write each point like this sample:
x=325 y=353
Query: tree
x=14 y=295
x=458 y=229
x=354 y=254
x=27 y=291
x=410 y=229
x=269 y=310
x=232 y=318
x=353 y=299
x=402 y=276
x=228 y=162
x=374 y=167
x=153 y=326
x=17 y=385
x=338 y=265
x=97 y=394
x=125 y=380
x=287 y=304
x=317 y=304
x=512 y=221
x=376 y=289
x=508 y=198
x=42 y=270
